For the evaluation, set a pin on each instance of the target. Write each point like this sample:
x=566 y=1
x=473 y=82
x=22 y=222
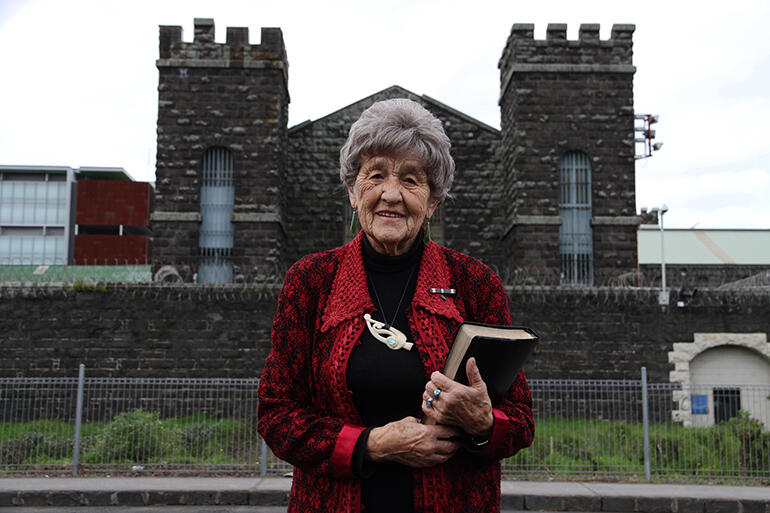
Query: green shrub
x=752 y=443
x=31 y=442
x=136 y=436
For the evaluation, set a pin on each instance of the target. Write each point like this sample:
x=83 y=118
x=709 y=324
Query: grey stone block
x=543 y=503
x=65 y=499
x=130 y=498
x=514 y=502
x=755 y=506
x=31 y=499
x=233 y=497
x=722 y=506
x=96 y=498
x=162 y=498
x=618 y=504
x=689 y=505
x=582 y=503
x=655 y=504
x=268 y=498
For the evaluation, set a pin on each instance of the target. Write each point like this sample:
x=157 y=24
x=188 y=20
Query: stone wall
x=180 y=331
x=199 y=331
x=610 y=333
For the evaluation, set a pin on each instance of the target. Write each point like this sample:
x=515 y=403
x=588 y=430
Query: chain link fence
x=585 y=429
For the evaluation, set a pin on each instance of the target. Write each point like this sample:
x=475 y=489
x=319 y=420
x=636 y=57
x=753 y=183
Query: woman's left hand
x=467 y=407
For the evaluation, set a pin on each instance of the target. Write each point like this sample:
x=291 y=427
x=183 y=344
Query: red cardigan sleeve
x=295 y=429
x=514 y=426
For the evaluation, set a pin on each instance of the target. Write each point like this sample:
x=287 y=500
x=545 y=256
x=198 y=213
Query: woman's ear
x=432 y=204
x=351 y=197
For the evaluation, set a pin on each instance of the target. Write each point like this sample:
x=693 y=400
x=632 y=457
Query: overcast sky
x=79 y=81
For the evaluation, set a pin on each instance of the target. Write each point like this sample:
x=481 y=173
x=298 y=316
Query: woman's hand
x=412 y=443
x=467 y=407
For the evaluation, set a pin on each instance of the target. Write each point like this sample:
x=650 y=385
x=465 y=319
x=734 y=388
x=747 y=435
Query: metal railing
x=585 y=429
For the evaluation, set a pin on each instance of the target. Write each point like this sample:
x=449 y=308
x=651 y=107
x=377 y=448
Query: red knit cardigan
x=306 y=412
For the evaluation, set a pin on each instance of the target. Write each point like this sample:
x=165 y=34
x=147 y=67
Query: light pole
x=663 y=295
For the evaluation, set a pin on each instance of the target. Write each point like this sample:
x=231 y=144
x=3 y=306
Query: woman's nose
x=390 y=190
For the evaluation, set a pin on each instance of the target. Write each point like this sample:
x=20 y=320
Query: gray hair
x=392 y=127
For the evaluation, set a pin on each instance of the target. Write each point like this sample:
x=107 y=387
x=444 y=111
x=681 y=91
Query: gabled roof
x=396 y=91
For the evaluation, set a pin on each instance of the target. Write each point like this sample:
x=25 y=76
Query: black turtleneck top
x=387 y=384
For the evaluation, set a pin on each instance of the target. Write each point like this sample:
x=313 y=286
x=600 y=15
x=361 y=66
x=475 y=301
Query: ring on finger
x=436 y=393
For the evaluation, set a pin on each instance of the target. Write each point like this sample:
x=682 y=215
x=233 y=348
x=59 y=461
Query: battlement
x=589 y=32
x=204 y=51
x=557 y=53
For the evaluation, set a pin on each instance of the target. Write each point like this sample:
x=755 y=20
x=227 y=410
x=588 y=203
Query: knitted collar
x=349 y=296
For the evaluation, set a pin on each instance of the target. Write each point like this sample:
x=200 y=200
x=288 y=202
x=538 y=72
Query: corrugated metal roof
x=691 y=246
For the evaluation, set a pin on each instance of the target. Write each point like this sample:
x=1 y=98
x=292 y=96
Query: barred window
x=216 y=234
x=575 y=237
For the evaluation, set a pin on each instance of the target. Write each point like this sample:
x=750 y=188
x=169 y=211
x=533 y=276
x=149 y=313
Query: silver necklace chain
x=403 y=294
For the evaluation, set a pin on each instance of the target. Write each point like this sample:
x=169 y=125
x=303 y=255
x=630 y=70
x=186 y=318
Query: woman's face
x=392 y=196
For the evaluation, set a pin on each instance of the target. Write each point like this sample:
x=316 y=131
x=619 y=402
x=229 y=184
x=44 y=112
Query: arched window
x=216 y=234
x=575 y=238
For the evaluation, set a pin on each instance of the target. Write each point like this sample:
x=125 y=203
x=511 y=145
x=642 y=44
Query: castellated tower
x=567 y=116
x=222 y=116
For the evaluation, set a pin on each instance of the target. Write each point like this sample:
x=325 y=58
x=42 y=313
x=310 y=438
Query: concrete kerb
x=516 y=495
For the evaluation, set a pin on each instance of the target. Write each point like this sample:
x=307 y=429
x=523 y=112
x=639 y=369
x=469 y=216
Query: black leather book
x=500 y=352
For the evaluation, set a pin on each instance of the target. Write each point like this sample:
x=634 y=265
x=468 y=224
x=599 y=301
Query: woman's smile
x=390 y=215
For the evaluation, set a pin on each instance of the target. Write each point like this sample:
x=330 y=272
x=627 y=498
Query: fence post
x=263 y=459
x=78 y=419
x=646 y=423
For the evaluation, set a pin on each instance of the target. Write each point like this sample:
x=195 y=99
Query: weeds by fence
x=587 y=429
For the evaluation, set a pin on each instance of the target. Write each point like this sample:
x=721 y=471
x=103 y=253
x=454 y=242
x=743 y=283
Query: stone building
x=548 y=199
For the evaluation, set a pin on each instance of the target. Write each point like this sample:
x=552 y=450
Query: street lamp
x=663 y=295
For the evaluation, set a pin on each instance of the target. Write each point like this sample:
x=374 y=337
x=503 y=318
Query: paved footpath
x=569 y=496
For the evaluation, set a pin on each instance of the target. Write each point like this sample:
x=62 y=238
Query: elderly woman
x=360 y=336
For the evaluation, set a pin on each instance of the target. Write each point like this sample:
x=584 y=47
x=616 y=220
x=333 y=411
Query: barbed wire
x=178 y=281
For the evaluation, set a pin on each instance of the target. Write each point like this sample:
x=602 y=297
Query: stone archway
x=684 y=353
